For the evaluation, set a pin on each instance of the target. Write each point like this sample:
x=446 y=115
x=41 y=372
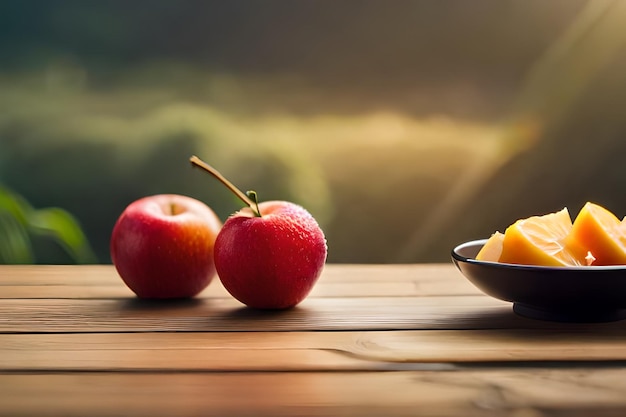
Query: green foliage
x=20 y=222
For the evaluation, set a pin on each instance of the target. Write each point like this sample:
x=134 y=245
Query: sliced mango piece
x=597 y=231
x=540 y=240
x=492 y=249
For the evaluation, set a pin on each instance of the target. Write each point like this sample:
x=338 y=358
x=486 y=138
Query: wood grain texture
x=304 y=351
x=487 y=392
x=102 y=274
x=198 y=315
x=102 y=281
x=371 y=340
x=216 y=290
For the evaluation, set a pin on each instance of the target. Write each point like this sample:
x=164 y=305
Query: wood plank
x=193 y=360
x=216 y=290
x=57 y=274
x=45 y=274
x=484 y=392
x=452 y=351
x=396 y=272
x=301 y=351
x=101 y=281
x=429 y=274
x=198 y=315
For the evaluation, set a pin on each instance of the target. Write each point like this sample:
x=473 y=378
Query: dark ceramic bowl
x=571 y=294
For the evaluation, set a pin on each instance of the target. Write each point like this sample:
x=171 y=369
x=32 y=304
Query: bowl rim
x=460 y=258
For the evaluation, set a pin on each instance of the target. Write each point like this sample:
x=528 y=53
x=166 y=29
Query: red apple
x=267 y=255
x=162 y=246
x=271 y=261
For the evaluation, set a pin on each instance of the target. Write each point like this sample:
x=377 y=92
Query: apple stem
x=250 y=202
x=254 y=198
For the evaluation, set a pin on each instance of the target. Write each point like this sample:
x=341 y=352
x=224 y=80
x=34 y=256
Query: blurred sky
x=368 y=54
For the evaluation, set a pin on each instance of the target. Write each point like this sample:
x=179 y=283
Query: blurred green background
x=405 y=127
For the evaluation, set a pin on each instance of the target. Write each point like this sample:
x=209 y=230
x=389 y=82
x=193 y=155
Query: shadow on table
x=509 y=324
x=141 y=304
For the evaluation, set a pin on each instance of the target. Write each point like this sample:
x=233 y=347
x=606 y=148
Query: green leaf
x=14 y=205
x=61 y=226
x=15 y=245
x=19 y=220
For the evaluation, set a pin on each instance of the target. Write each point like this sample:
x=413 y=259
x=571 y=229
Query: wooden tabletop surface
x=371 y=340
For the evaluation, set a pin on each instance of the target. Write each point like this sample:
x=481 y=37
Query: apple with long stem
x=267 y=255
x=162 y=246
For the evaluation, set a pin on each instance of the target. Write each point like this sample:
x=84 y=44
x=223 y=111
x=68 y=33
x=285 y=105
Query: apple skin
x=272 y=261
x=162 y=246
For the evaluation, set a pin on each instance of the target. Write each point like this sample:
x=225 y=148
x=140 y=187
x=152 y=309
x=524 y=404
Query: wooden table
x=371 y=340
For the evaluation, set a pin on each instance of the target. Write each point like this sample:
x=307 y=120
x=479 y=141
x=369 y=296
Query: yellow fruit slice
x=539 y=240
x=492 y=249
x=599 y=231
